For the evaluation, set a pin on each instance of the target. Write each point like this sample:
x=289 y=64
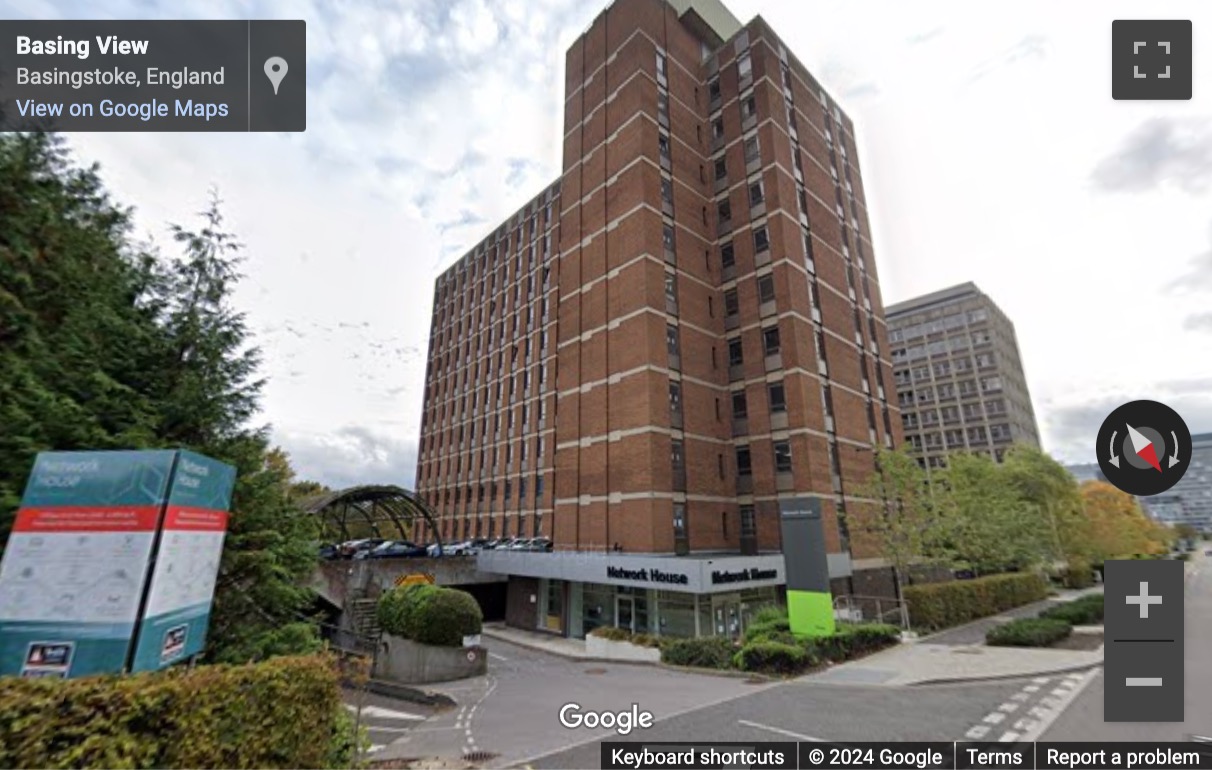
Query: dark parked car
x=541 y=544
x=396 y=549
x=329 y=551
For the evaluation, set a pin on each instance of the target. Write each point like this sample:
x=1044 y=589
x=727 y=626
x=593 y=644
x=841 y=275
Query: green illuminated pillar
x=809 y=602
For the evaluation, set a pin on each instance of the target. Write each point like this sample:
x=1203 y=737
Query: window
x=752 y=151
x=991 y=383
x=667 y=191
x=727 y=255
x=677 y=456
x=740 y=405
x=748 y=524
x=770 y=340
x=744 y=461
x=778 y=397
x=782 y=457
x=765 y=285
x=671 y=288
x=663 y=143
x=721 y=169
x=679 y=520
x=717 y=131
x=667 y=235
x=744 y=67
x=538 y=488
x=748 y=108
x=660 y=63
x=713 y=89
x=731 y=304
x=756 y=195
x=675 y=397
x=663 y=105
x=735 y=352
x=724 y=210
x=671 y=340
x=761 y=240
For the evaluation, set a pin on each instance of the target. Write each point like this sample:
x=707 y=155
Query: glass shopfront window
x=597 y=607
x=551 y=608
x=675 y=613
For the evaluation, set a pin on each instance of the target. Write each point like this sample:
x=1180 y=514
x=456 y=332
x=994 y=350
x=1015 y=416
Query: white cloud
x=987 y=135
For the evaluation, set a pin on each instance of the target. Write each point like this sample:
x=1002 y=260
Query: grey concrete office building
x=959 y=375
x=1194 y=490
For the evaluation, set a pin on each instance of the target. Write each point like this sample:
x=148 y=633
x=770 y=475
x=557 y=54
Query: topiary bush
x=852 y=641
x=1028 y=632
x=940 y=605
x=1086 y=611
x=245 y=716
x=774 y=658
x=703 y=652
x=429 y=614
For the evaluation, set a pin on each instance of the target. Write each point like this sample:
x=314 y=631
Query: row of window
x=946 y=323
x=961 y=439
x=446 y=408
x=468 y=527
x=993 y=407
x=958 y=343
x=748 y=522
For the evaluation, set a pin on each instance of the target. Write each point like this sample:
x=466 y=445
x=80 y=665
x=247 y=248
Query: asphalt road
x=1083 y=720
x=385 y=719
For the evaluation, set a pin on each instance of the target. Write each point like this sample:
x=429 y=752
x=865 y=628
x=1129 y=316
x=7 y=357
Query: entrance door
x=624 y=613
x=730 y=617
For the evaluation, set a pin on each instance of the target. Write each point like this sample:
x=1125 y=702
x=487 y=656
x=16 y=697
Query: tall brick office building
x=679 y=340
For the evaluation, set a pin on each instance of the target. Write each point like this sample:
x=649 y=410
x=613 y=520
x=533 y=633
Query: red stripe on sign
x=195 y=519
x=83 y=518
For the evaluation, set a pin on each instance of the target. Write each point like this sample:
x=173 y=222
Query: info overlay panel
x=153 y=75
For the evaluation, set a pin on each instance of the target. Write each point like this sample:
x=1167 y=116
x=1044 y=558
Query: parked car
x=329 y=551
x=352 y=548
x=396 y=549
x=515 y=544
x=541 y=544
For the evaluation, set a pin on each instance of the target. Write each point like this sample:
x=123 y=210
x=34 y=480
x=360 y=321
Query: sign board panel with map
x=76 y=562
x=186 y=565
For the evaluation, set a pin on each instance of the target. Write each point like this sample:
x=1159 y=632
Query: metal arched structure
x=371 y=511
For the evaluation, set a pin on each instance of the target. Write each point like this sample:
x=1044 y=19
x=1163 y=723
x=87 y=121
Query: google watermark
x=573 y=717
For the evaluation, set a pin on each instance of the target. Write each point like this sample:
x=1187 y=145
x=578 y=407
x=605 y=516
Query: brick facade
x=700 y=324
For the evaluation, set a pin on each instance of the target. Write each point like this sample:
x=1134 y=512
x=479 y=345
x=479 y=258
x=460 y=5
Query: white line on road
x=1031 y=688
x=1050 y=716
x=978 y=732
x=1021 y=697
x=382 y=713
x=378 y=729
x=1009 y=708
x=780 y=731
x=494 y=656
x=1008 y=737
x=994 y=718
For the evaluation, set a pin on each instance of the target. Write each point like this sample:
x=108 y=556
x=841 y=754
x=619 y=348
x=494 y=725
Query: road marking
x=1008 y=737
x=978 y=732
x=1041 y=680
x=994 y=718
x=1060 y=692
x=378 y=729
x=1009 y=708
x=498 y=657
x=1021 y=697
x=780 y=731
x=375 y=747
x=1051 y=716
x=1031 y=688
x=1023 y=725
x=382 y=713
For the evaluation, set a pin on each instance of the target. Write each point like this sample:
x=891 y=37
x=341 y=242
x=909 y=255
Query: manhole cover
x=479 y=756
x=595 y=671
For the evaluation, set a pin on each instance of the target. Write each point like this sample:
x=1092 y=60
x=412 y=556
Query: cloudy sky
x=992 y=150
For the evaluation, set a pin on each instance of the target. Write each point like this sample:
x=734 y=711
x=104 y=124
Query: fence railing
x=850 y=608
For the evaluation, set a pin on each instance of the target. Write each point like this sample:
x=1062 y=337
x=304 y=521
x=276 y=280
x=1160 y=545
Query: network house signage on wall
x=75 y=569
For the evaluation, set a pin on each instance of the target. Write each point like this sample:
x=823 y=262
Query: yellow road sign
x=414 y=579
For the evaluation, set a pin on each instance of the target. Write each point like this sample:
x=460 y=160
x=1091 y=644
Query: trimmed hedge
x=940 y=605
x=429 y=614
x=247 y=716
x=774 y=658
x=852 y=641
x=1028 y=632
x=1078 y=574
x=1086 y=611
x=703 y=652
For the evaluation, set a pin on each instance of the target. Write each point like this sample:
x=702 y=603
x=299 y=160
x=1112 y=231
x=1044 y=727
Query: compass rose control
x=1143 y=448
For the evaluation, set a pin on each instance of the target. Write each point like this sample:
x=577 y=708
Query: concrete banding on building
x=671 y=346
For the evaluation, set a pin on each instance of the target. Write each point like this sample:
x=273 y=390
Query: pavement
x=1083 y=720
x=385 y=719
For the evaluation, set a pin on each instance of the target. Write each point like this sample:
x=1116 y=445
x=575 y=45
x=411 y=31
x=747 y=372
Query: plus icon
x=1151 y=59
x=1144 y=600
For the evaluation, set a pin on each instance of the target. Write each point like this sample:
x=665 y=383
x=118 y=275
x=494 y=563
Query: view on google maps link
x=455 y=384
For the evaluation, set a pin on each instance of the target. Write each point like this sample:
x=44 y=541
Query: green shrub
x=940 y=605
x=611 y=633
x=774 y=658
x=1028 y=632
x=1079 y=574
x=852 y=641
x=768 y=634
x=1086 y=611
x=703 y=652
x=429 y=614
x=768 y=614
x=245 y=716
x=645 y=640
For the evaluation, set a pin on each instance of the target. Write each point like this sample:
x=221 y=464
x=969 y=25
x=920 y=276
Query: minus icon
x=1143 y=681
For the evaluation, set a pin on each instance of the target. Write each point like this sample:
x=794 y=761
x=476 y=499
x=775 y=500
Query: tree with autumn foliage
x=1116 y=527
